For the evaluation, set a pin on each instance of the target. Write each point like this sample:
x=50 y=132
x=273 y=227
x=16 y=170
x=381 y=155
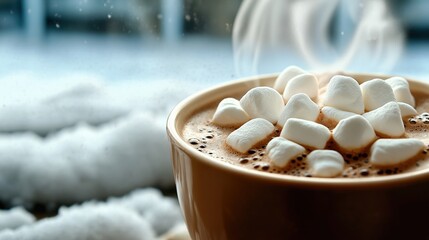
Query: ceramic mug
x=224 y=201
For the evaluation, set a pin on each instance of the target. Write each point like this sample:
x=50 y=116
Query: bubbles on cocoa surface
x=206 y=140
x=243 y=160
x=265 y=166
x=193 y=141
x=251 y=151
x=364 y=172
x=357 y=165
x=262 y=166
x=419 y=123
x=202 y=141
x=296 y=167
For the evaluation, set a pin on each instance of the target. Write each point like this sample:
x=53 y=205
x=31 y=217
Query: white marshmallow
x=299 y=106
x=325 y=163
x=251 y=133
x=230 y=113
x=386 y=120
x=304 y=83
x=281 y=151
x=376 y=93
x=387 y=152
x=401 y=90
x=353 y=133
x=286 y=75
x=306 y=133
x=335 y=115
x=406 y=110
x=344 y=94
x=263 y=102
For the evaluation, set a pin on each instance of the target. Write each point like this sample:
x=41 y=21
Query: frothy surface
x=210 y=139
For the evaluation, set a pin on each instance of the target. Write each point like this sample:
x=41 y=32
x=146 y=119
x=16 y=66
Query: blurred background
x=119 y=50
x=118 y=40
x=175 y=42
x=150 y=39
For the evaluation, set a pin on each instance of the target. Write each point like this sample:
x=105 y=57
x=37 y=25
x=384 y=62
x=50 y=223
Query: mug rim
x=178 y=141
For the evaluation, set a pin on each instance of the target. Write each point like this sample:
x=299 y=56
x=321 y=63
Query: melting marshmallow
x=281 y=151
x=325 y=163
x=406 y=110
x=353 y=133
x=263 y=102
x=387 y=152
x=376 y=93
x=344 y=94
x=306 y=133
x=304 y=83
x=285 y=76
x=299 y=106
x=335 y=115
x=401 y=90
x=249 y=134
x=386 y=120
x=230 y=113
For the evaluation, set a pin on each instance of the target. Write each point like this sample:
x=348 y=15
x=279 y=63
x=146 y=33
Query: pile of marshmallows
x=360 y=115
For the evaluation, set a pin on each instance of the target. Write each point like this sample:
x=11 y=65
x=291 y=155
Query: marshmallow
x=299 y=106
x=335 y=115
x=401 y=90
x=248 y=135
x=344 y=93
x=353 y=133
x=306 y=133
x=230 y=113
x=387 y=152
x=325 y=163
x=281 y=151
x=376 y=93
x=406 y=110
x=386 y=120
x=263 y=102
x=304 y=83
x=284 y=77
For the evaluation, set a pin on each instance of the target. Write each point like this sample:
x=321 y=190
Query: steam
x=297 y=32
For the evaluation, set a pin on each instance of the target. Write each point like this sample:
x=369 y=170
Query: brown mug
x=223 y=201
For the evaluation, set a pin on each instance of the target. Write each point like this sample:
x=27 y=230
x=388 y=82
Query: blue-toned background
x=148 y=39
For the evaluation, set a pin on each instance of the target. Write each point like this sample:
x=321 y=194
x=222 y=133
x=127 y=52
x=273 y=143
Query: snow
x=103 y=138
x=14 y=218
x=128 y=150
x=57 y=105
x=98 y=161
x=84 y=118
x=101 y=223
x=142 y=214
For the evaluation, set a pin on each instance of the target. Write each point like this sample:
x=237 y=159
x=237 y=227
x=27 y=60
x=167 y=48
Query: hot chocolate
x=210 y=139
x=221 y=197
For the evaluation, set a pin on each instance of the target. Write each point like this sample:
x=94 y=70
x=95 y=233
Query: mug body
x=223 y=201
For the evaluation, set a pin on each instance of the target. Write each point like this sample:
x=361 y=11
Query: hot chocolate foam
x=210 y=139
